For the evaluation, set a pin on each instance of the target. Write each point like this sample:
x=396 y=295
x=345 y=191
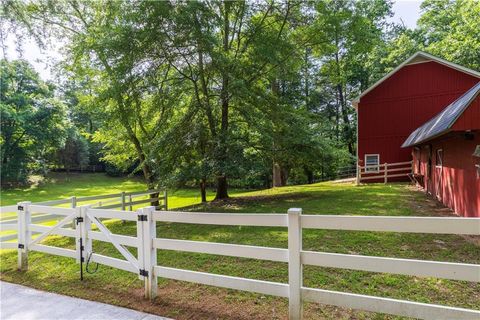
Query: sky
x=406 y=11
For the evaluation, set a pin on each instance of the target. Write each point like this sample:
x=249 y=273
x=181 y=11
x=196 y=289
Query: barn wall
x=413 y=95
x=470 y=118
x=456 y=185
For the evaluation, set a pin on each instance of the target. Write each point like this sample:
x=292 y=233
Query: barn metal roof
x=443 y=121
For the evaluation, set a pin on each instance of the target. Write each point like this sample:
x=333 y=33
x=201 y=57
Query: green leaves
x=32 y=121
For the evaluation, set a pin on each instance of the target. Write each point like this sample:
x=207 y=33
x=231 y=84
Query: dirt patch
x=433 y=208
x=186 y=301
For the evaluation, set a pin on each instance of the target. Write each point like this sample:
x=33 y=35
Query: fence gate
x=93 y=216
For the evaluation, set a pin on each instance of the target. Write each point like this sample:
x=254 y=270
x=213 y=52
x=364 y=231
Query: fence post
x=123 y=200
x=295 y=276
x=140 y=244
x=149 y=252
x=73 y=201
x=385 y=173
x=130 y=201
x=87 y=227
x=24 y=235
x=77 y=225
x=359 y=174
x=165 y=199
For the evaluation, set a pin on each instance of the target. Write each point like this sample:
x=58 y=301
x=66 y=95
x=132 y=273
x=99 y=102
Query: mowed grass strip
x=189 y=301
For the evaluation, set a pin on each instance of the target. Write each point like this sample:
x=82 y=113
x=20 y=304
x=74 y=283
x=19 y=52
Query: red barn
x=416 y=91
x=446 y=154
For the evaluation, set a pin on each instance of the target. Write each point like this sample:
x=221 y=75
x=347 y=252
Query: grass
x=60 y=186
x=189 y=301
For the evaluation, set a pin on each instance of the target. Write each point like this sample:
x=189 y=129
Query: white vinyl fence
x=147 y=242
x=123 y=201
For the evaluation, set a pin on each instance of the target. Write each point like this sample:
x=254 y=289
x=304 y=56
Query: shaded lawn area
x=182 y=300
x=60 y=186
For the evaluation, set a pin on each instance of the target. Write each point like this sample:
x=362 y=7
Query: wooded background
x=211 y=93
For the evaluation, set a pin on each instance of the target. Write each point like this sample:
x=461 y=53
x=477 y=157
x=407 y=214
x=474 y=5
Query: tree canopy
x=212 y=93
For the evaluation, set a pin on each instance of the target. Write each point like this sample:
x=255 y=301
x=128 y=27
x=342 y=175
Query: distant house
x=427 y=109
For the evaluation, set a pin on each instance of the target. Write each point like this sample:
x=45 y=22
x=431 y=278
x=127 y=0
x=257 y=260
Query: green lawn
x=189 y=301
x=60 y=186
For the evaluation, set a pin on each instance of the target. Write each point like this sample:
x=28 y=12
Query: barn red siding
x=456 y=185
x=410 y=97
x=470 y=119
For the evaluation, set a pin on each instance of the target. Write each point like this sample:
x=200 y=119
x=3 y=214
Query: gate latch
x=144 y=272
x=142 y=217
x=78 y=220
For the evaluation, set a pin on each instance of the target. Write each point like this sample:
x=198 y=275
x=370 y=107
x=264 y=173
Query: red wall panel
x=470 y=119
x=413 y=95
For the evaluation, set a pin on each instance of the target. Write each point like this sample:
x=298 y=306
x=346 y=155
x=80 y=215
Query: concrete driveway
x=22 y=303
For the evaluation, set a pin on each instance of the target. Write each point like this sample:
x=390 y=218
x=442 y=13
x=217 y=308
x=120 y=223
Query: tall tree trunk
x=346 y=120
x=309 y=174
x=343 y=107
x=203 y=190
x=277 y=175
x=284 y=175
x=222 y=184
x=146 y=169
x=222 y=188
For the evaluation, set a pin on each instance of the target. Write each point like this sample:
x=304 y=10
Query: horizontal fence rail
x=445 y=270
x=224 y=249
x=145 y=264
x=439 y=225
x=258 y=286
x=384 y=171
x=386 y=305
x=252 y=219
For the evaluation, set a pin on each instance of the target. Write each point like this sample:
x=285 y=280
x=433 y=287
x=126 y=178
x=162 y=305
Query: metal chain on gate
x=88 y=263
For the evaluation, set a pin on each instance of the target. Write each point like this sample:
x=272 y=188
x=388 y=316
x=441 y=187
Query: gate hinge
x=21 y=246
x=20 y=208
x=142 y=217
x=78 y=220
x=144 y=272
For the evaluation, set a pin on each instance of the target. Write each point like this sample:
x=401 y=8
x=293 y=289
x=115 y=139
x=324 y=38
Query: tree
x=74 y=153
x=222 y=49
x=32 y=121
x=342 y=36
x=450 y=30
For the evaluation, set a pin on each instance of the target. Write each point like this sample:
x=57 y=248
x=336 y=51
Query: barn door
x=439 y=173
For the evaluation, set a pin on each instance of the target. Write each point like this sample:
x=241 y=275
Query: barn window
x=371 y=162
x=439 y=158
